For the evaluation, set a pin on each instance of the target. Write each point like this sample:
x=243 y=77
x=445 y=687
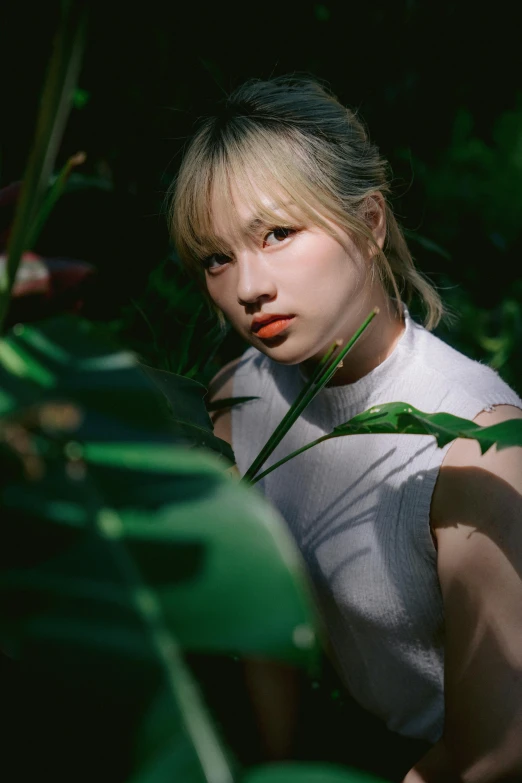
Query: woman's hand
x=477 y=521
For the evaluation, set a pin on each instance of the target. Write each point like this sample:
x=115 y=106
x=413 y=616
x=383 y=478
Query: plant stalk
x=289 y=418
x=55 y=103
x=52 y=196
x=324 y=372
x=291 y=456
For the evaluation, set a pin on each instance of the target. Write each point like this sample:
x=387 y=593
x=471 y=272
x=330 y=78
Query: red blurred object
x=47 y=286
x=43 y=286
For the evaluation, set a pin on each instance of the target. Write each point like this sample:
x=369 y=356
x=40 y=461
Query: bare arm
x=477 y=520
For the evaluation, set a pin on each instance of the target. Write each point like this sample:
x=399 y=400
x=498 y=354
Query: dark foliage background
x=438 y=84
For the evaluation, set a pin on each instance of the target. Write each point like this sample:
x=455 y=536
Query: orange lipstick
x=273 y=328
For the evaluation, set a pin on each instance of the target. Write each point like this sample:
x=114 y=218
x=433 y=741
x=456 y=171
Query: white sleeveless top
x=358 y=507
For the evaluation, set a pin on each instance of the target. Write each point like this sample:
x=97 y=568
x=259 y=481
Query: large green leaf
x=225 y=571
x=174 y=553
x=69 y=358
x=307 y=773
x=400 y=417
x=163 y=750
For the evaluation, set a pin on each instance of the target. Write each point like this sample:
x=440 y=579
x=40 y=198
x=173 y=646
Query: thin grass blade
x=54 y=109
x=324 y=372
x=52 y=196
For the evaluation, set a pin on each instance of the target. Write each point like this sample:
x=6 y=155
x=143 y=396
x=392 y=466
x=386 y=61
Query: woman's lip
x=273 y=328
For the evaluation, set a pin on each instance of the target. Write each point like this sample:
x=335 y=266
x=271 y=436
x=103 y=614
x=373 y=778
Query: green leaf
x=184 y=397
x=311 y=772
x=163 y=750
x=228 y=402
x=121 y=399
x=139 y=547
x=400 y=417
x=19 y=363
x=250 y=595
x=224 y=569
x=190 y=555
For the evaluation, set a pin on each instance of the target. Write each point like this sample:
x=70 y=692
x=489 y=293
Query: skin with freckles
x=303 y=271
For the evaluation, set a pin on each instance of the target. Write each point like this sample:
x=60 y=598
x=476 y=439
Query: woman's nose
x=255 y=279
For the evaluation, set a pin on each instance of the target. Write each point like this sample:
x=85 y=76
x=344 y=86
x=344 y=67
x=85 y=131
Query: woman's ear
x=375 y=217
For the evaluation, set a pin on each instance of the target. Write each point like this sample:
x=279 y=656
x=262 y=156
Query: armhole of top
x=475 y=408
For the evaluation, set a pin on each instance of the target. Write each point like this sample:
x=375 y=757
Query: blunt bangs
x=263 y=170
x=290 y=153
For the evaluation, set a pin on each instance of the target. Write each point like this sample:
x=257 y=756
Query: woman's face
x=302 y=272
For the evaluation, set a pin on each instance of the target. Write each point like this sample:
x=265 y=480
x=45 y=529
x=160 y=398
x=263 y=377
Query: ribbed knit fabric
x=359 y=508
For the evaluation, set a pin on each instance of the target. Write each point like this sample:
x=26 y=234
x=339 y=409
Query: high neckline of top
x=353 y=392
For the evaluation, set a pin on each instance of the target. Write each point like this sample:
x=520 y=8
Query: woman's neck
x=375 y=344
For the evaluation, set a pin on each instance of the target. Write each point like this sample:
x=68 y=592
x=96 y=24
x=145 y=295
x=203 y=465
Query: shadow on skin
x=491 y=638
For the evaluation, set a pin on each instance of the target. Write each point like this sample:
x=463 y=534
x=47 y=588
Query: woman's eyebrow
x=249 y=227
x=257 y=223
x=254 y=225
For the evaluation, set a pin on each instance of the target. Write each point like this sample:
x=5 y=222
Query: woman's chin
x=284 y=352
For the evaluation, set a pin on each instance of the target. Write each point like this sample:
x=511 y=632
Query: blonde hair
x=291 y=138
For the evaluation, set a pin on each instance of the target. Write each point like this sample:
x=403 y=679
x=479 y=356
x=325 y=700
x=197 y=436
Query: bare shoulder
x=220 y=388
x=470 y=484
x=477 y=521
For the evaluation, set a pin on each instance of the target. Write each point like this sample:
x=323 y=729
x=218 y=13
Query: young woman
x=280 y=211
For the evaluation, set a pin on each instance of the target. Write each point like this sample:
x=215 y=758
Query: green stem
x=324 y=372
x=291 y=456
x=54 y=109
x=54 y=193
x=289 y=418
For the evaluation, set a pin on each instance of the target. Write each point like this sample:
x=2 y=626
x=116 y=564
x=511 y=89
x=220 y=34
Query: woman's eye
x=215 y=261
x=278 y=235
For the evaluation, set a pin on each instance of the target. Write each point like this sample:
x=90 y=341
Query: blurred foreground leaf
x=122 y=544
x=307 y=773
x=69 y=358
